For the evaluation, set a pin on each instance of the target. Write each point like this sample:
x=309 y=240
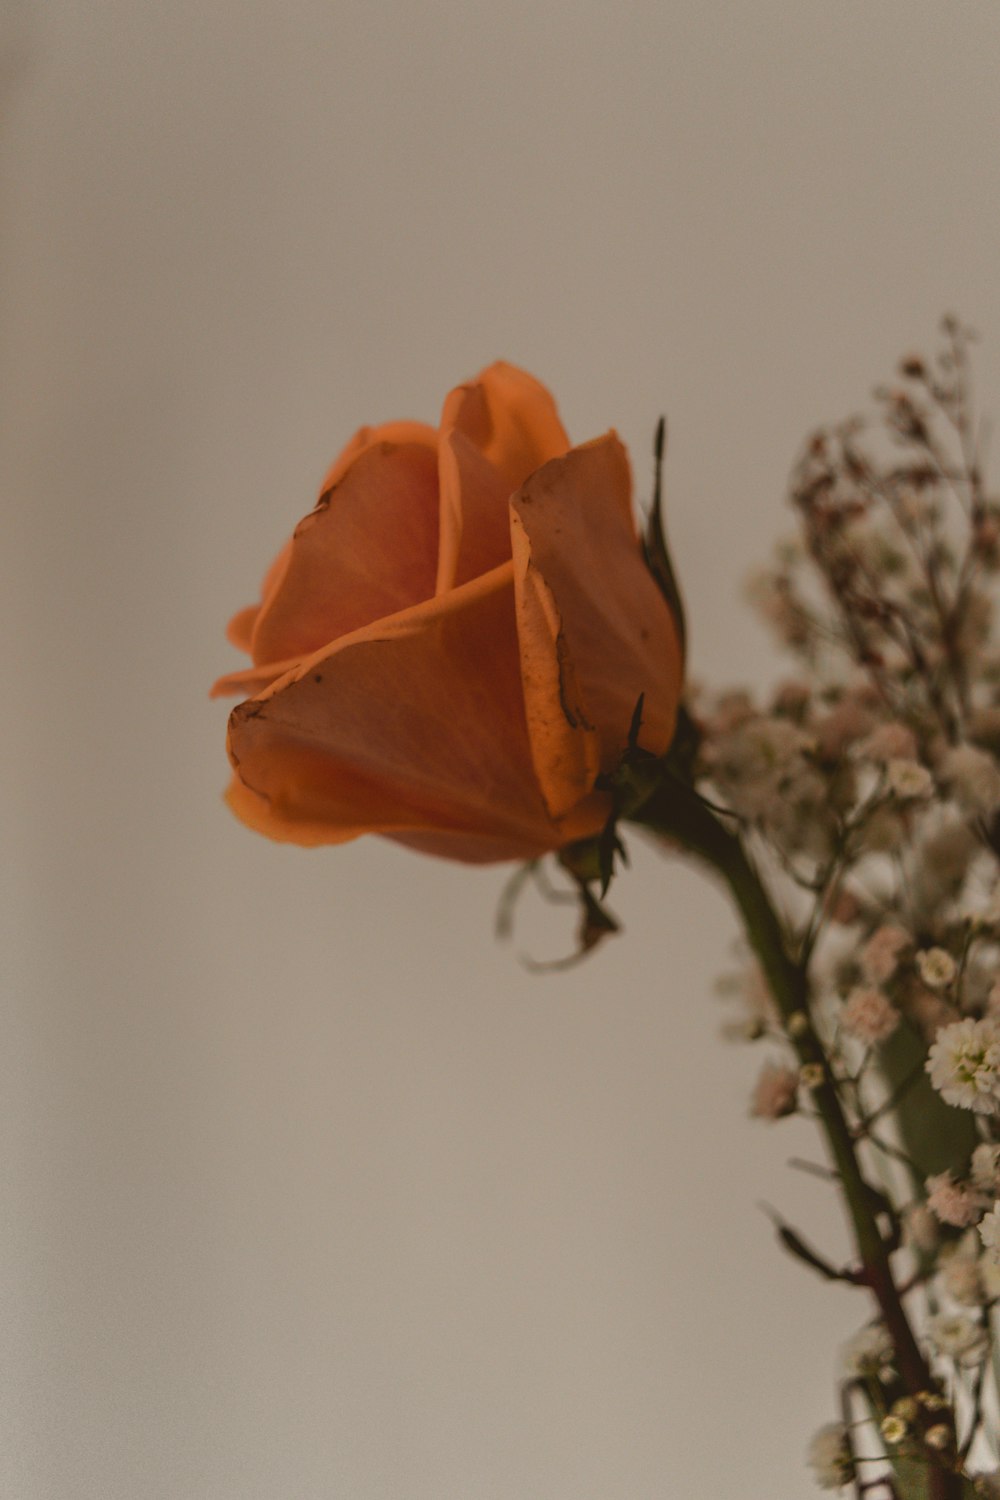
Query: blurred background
x=310 y=1188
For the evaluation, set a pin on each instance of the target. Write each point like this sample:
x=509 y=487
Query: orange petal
x=474 y=520
x=495 y=431
x=594 y=628
x=565 y=746
x=251 y=680
x=371 y=437
x=413 y=726
x=239 y=631
x=369 y=549
x=512 y=419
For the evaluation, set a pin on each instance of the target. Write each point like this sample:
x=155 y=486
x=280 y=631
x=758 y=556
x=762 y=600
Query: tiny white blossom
x=986 y=1168
x=869 y=1352
x=908 y=779
x=973 y=777
x=964 y=1065
x=775 y=1092
x=944 y=857
x=879 y=957
x=753 y=760
x=956 y=1336
x=964 y=1282
x=758 y=1010
x=952 y=1202
x=869 y=1014
x=829 y=1457
x=891 y=741
x=967 y=1274
x=989 y=1233
x=844 y=724
x=937 y=967
x=921 y=1228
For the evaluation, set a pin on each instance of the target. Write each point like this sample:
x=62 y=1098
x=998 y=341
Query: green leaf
x=936 y=1136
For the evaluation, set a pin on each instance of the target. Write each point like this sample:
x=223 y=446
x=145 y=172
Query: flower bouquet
x=467 y=646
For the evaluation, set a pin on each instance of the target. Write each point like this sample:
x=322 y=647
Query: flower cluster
x=865 y=786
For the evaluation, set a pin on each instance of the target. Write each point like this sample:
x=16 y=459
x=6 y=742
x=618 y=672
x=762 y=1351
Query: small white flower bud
x=989 y=1233
x=937 y=967
x=909 y=780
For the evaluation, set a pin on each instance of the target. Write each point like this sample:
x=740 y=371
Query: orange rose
x=451 y=647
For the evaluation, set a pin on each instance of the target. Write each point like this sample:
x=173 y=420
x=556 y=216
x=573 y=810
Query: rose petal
x=512 y=419
x=495 y=431
x=474 y=521
x=412 y=726
x=565 y=746
x=371 y=437
x=369 y=549
x=240 y=628
x=594 y=628
x=239 y=631
x=252 y=680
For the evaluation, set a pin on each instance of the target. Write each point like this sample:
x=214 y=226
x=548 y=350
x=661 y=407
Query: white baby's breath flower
x=893 y=1429
x=908 y=779
x=937 y=967
x=829 y=1456
x=868 y=1353
x=943 y=859
x=952 y=1202
x=933 y=1401
x=964 y=1282
x=869 y=1014
x=920 y=1228
x=956 y=1336
x=888 y=742
x=986 y=1168
x=775 y=1092
x=964 y=1065
x=879 y=958
x=967 y=1273
x=989 y=1233
x=839 y=728
x=757 y=1007
x=754 y=759
x=973 y=778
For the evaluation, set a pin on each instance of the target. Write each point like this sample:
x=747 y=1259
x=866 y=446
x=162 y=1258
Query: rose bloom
x=450 y=648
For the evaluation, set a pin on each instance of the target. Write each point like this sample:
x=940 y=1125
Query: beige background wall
x=310 y=1190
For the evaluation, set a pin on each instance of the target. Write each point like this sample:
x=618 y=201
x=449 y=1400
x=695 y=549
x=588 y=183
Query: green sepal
x=654 y=543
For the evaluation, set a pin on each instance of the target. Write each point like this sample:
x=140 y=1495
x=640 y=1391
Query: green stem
x=675 y=811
